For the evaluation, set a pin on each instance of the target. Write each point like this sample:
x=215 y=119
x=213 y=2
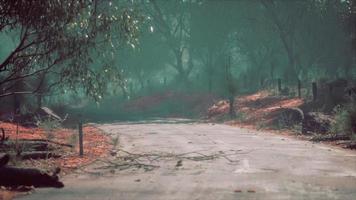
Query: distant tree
x=145 y=62
x=172 y=21
x=311 y=37
x=348 y=15
x=211 y=24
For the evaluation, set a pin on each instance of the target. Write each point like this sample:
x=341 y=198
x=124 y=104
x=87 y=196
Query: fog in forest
x=177 y=99
x=176 y=58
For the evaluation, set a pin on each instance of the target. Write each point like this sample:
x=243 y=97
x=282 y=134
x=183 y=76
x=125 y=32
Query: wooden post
x=245 y=81
x=80 y=127
x=314 y=90
x=230 y=87
x=299 y=88
x=279 y=85
x=39 y=101
x=232 y=112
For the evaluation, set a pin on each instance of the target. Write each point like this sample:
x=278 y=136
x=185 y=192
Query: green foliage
x=49 y=126
x=345 y=120
x=115 y=142
x=59 y=40
x=239 y=116
x=261 y=125
x=16 y=147
x=73 y=140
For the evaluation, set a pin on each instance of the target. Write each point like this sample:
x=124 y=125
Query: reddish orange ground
x=96 y=143
x=255 y=108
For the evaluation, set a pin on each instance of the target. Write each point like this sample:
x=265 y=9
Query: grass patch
x=345 y=120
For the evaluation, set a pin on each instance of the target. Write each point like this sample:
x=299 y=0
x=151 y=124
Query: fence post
x=315 y=91
x=80 y=127
x=279 y=85
x=299 y=88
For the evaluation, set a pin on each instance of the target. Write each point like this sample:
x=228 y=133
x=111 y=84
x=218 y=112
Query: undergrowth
x=49 y=126
x=345 y=120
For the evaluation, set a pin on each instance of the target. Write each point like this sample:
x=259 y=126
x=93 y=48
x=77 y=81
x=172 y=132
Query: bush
x=345 y=120
x=49 y=126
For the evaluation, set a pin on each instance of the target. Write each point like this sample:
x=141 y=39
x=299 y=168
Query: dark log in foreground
x=4 y=160
x=27 y=145
x=3 y=136
x=34 y=144
x=49 y=141
x=38 y=155
x=32 y=149
x=14 y=177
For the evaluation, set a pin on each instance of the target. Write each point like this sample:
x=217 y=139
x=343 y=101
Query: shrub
x=345 y=119
x=73 y=140
x=49 y=126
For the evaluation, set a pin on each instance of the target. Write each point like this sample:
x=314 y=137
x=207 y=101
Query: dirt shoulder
x=65 y=146
x=267 y=112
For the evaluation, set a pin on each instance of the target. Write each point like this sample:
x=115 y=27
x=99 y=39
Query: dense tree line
x=131 y=47
x=295 y=41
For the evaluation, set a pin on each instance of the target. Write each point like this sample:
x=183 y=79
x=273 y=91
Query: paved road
x=211 y=162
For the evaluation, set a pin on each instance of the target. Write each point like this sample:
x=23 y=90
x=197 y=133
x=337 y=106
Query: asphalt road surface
x=192 y=161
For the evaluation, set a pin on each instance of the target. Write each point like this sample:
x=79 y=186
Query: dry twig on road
x=126 y=160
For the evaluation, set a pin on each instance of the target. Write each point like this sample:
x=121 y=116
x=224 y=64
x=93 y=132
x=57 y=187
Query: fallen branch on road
x=127 y=165
x=144 y=160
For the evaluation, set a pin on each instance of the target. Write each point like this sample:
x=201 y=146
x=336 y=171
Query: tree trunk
x=39 y=101
x=272 y=84
x=80 y=131
x=210 y=80
x=315 y=91
x=17 y=104
x=34 y=155
x=299 y=88
x=272 y=71
x=232 y=112
x=142 y=83
x=182 y=76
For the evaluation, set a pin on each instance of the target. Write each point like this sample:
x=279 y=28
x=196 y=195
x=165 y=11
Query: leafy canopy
x=68 y=42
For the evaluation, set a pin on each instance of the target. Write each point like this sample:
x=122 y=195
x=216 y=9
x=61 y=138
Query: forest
x=110 y=68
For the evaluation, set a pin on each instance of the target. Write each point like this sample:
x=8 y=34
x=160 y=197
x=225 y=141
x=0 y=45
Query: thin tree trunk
x=315 y=91
x=39 y=101
x=299 y=88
